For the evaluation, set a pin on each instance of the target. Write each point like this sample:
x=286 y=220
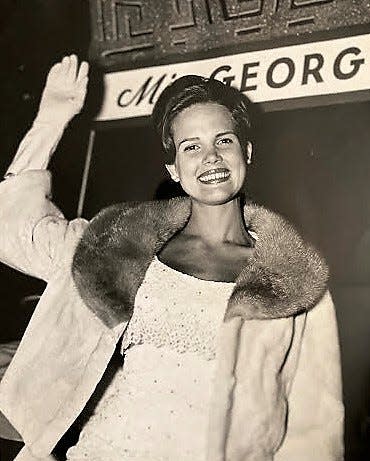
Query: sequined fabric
x=157 y=405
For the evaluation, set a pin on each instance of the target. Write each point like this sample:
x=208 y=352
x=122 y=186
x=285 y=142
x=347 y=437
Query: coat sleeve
x=35 y=238
x=37 y=147
x=315 y=408
x=7 y=352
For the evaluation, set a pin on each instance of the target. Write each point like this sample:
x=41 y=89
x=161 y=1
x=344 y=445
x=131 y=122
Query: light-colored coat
x=277 y=394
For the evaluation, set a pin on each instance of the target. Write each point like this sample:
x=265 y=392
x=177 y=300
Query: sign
x=299 y=71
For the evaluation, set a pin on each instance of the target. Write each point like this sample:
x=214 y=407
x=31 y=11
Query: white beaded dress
x=156 y=407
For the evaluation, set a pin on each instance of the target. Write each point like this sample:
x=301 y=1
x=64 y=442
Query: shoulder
x=286 y=276
x=141 y=217
x=277 y=236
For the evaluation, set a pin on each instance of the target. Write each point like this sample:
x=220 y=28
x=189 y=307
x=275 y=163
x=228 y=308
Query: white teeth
x=213 y=176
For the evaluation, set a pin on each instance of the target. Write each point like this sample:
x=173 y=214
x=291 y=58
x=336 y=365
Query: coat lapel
x=115 y=252
x=284 y=277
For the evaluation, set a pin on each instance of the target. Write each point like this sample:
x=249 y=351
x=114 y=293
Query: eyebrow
x=225 y=132
x=188 y=139
x=218 y=135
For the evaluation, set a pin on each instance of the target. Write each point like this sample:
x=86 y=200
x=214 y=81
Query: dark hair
x=194 y=89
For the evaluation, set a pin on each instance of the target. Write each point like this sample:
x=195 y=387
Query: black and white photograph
x=185 y=230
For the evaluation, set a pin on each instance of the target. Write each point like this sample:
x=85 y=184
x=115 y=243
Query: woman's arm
x=33 y=230
x=61 y=100
x=315 y=408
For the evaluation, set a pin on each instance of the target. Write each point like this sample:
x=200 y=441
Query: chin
x=213 y=199
x=217 y=194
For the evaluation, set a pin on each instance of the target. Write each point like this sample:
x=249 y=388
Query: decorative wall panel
x=131 y=33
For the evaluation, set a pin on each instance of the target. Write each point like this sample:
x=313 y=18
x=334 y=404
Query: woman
x=228 y=332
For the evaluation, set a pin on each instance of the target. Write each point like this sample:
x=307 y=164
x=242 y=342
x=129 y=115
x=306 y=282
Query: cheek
x=178 y=164
x=184 y=166
x=240 y=161
x=243 y=173
x=242 y=170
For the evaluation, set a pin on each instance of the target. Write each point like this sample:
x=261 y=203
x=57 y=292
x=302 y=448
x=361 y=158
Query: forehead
x=201 y=119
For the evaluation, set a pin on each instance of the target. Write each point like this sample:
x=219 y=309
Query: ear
x=173 y=172
x=249 y=152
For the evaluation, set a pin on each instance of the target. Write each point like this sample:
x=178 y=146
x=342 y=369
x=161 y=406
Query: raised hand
x=64 y=92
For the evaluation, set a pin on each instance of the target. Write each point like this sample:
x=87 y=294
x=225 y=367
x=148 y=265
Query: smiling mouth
x=215 y=176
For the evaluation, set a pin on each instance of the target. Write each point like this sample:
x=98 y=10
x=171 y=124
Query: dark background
x=311 y=165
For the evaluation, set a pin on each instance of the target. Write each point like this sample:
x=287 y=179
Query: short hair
x=194 y=89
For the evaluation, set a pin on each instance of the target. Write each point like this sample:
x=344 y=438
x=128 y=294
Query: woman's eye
x=225 y=141
x=191 y=147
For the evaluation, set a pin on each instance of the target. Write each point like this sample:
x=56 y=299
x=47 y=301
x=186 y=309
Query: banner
x=298 y=71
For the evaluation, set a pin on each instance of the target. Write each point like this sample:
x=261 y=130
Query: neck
x=216 y=224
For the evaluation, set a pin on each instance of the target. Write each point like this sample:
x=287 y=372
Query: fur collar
x=285 y=276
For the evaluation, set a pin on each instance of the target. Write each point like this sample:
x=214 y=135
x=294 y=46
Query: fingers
x=83 y=71
x=54 y=72
x=82 y=85
x=71 y=68
x=64 y=68
x=58 y=72
x=65 y=71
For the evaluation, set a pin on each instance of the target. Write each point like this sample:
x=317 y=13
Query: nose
x=212 y=155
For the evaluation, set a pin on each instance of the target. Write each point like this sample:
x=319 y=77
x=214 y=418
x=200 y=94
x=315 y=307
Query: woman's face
x=209 y=163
